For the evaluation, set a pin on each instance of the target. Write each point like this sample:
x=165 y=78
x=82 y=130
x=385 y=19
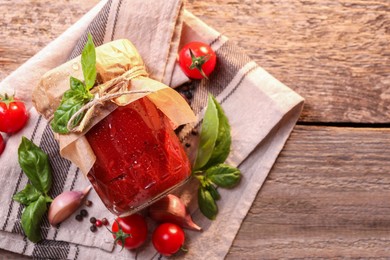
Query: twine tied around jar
x=107 y=91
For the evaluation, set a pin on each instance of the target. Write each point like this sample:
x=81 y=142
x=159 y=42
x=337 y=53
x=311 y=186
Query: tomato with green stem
x=197 y=60
x=13 y=114
x=168 y=239
x=130 y=232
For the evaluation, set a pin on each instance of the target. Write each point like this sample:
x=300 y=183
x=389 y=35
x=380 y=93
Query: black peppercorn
x=188 y=94
x=93 y=228
x=79 y=217
x=92 y=220
x=83 y=213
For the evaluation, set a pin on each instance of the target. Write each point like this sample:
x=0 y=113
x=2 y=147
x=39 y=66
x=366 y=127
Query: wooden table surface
x=328 y=195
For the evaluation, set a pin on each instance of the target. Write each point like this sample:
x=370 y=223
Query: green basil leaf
x=65 y=111
x=223 y=175
x=88 y=63
x=72 y=100
x=35 y=164
x=31 y=219
x=77 y=88
x=222 y=144
x=208 y=135
x=28 y=195
x=207 y=203
x=213 y=191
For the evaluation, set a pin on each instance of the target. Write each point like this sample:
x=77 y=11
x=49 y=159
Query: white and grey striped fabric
x=261 y=110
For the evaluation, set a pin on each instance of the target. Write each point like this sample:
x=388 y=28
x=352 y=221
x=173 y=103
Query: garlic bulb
x=171 y=209
x=65 y=205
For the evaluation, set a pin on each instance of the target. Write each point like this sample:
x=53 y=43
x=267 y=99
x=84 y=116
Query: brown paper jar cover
x=114 y=60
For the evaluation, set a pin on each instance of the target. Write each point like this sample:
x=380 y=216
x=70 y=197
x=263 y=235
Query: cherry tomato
x=131 y=231
x=13 y=115
x=197 y=60
x=2 y=144
x=168 y=239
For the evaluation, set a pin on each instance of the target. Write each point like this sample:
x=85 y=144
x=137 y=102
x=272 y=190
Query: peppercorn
x=92 y=220
x=88 y=203
x=98 y=223
x=79 y=217
x=83 y=213
x=188 y=94
x=93 y=228
x=105 y=221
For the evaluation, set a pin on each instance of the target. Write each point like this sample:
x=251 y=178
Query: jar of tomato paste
x=138 y=157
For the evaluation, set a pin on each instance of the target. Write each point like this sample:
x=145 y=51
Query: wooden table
x=328 y=195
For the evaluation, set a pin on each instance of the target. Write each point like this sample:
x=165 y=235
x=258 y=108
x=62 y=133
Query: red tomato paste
x=138 y=157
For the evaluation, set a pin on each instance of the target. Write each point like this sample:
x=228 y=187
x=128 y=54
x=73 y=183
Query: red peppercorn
x=98 y=223
x=88 y=203
x=105 y=221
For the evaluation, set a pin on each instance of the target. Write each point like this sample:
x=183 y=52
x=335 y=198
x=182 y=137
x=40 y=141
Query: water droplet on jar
x=164 y=176
x=149 y=185
x=136 y=165
x=111 y=163
x=178 y=169
x=75 y=66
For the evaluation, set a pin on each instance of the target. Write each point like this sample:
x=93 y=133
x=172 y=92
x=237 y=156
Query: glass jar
x=138 y=157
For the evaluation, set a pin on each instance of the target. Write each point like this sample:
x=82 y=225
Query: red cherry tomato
x=168 y=239
x=2 y=144
x=13 y=115
x=131 y=231
x=197 y=60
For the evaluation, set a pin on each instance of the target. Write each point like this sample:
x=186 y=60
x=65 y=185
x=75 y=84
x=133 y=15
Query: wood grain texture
x=28 y=26
x=327 y=196
x=336 y=54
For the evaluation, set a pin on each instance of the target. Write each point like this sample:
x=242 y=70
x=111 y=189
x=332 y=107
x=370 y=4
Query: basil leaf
x=78 y=94
x=72 y=100
x=27 y=196
x=224 y=140
x=77 y=88
x=88 y=63
x=208 y=135
x=213 y=191
x=31 y=218
x=223 y=175
x=65 y=111
x=207 y=203
x=35 y=164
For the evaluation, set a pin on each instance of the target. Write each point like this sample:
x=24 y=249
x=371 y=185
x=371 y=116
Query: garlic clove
x=171 y=209
x=65 y=204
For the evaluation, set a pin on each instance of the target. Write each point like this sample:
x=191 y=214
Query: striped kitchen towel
x=261 y=110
